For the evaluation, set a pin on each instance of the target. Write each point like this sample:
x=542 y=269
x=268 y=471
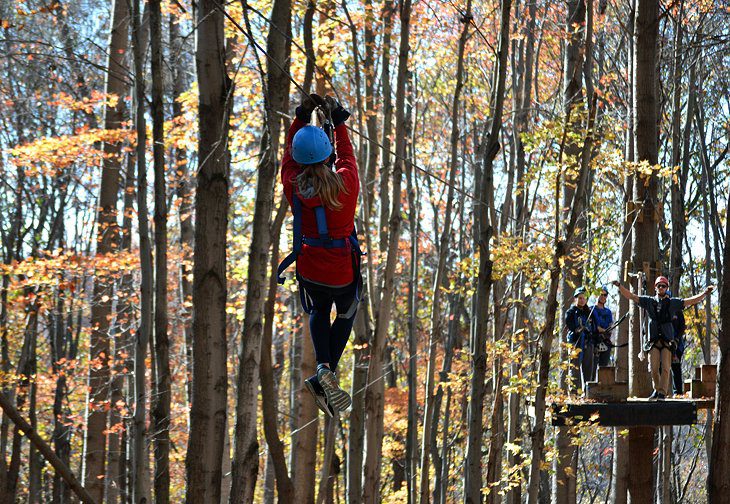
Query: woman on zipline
x=323 y=198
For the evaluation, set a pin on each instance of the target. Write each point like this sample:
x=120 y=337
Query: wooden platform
x=606 y=402
x=629 y=413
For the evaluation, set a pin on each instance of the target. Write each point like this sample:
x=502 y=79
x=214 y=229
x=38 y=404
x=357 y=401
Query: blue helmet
x=310 y=145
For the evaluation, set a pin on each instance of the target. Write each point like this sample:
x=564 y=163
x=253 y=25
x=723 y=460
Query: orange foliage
x=49 y=155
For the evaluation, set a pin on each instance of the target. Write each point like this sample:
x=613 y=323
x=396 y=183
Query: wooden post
x=607 y=388
x=704 y=382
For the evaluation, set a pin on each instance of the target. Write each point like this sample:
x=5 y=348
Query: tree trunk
x=246 y=458
x=547 y=332
x=620 y=466
x=718 y=484
x=184 y=193
x=370 y=102
x=61 y=430
x=644 y=250
x=22 y=386
x=307 y=426
x=107 y=237
x=375 y=394
x=564 y=478
x=677 y=185
x=356 y=437
x=439 y=461
x=514 y=496
x=412 y=429
x=35 y=462
x=161 y=403
x=364 y=326
x=388 y=15
x=445 y=450
x=128 y=337
x=210 y=379
x=269 y=408
x=436 y=318
x=619 y=490
x=713 y=221
x=140 y=459
x=490 y=148
x=522 y=115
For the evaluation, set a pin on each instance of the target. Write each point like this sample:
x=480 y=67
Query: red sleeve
x=346 y=163
x=290 y=168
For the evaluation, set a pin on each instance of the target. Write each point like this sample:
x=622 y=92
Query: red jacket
x=321 y=265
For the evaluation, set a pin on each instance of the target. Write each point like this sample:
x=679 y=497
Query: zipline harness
x=324 y=240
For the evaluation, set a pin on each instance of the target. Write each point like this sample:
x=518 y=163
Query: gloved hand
x=338 y=113
x=309 y=103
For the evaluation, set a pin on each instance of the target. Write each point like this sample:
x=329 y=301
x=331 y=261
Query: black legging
x=329 y=338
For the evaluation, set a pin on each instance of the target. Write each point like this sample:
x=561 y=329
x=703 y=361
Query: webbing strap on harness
x=323 y=241
x=297 y=245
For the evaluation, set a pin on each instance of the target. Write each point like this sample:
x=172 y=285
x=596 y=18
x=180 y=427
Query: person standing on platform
x=603 y=320
x=580 y=333
x=661 y=342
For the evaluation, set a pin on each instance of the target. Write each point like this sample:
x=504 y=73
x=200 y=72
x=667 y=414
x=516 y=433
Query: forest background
x=508 y=151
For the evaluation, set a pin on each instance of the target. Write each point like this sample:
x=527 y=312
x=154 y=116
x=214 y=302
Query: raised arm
x=691 y=301
x=346 y=163
x=626 y=292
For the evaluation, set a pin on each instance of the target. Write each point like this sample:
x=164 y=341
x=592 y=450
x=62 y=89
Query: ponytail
x=324 y=183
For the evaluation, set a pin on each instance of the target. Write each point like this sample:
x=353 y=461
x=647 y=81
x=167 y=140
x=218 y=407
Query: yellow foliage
x=48 y=155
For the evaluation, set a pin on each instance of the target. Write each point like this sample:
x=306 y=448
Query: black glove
x=338 y=113
x=309 y=103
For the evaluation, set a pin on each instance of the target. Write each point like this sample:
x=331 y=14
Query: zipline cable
x=405 y=159
x=359 y=391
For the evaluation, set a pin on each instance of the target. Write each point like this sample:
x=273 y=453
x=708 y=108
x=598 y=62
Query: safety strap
x=296 y=208
x=357 y=254
x=321 y=218
x=323 y=241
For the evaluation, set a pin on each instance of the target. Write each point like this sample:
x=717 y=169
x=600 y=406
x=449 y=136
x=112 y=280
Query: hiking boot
x=660 y=396
x=654 y=396
x=320 y=399
x=336 y=397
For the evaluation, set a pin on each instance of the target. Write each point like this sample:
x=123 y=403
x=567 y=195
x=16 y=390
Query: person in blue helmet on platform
x=580 y=326
x=603 y=320
x=323 y=197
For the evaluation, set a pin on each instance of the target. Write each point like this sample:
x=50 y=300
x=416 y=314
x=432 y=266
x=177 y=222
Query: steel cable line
x=249 y=35
x=405 y=159
x=461 y=191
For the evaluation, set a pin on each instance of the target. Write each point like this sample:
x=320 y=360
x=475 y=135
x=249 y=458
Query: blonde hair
x=324 y=183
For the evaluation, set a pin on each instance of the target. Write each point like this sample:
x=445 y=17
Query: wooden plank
x=606 y=375
x=708 y=373
x=627 y=414
x=614 y=392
